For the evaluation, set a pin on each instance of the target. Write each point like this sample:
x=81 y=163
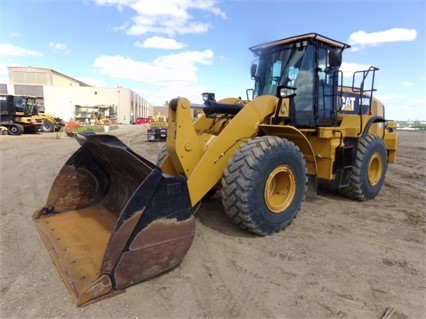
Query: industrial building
x=71 y=99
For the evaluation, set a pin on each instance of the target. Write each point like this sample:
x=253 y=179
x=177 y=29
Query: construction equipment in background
x=19 y=114
x=99 y=118
x=113 y=219
x=95 y=114
x=157 y=130
x=51 y=123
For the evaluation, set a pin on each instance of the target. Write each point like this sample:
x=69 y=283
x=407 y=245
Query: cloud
x=118 y=3
x=160 y=43
x=168 y=17
x=349 y=68
x=179 y=67
x=353 y=75
x=59 y=48
x=360 y=39
x=93 y=82
x=399 y=107
x=408 y=84
x=167 y=76
x=162 y=93
x=15 y=34
x=390 y=97
x=15 y=51
x=4 y=73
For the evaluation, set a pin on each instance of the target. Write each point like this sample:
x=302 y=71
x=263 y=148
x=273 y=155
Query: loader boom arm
x=203 y=159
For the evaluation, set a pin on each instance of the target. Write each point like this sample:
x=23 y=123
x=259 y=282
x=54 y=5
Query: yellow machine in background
x=51 y=123
x=113 y=219
x=158 y=120
x=19 y=114
x=157 y=130
x=100 y=118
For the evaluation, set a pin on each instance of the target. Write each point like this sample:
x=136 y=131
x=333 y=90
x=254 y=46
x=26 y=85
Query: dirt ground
x=339 y=258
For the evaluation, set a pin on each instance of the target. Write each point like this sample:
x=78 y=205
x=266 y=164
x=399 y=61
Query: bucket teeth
x=100 y=287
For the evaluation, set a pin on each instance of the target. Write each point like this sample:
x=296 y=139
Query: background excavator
x=113 y=219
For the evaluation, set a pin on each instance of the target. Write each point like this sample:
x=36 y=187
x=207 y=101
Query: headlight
x=208 y=96
x=286 y=91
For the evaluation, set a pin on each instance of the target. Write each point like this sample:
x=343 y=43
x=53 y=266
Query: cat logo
x=348 y=103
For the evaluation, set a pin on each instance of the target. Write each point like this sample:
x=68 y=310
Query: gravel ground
x=339 y=258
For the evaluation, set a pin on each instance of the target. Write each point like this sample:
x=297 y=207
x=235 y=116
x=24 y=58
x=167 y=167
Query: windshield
x=26 y=104
x=277 y=68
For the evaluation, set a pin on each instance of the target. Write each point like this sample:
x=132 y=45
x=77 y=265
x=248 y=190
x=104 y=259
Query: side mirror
x=253 y=70
x=335 y=58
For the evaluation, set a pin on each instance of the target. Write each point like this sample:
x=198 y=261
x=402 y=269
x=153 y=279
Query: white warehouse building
x=65 y=97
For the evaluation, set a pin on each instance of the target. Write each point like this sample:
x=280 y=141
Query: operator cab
x=304 y=69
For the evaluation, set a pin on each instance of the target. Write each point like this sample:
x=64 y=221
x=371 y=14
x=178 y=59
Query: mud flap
x=113 y=219
x=312 y=188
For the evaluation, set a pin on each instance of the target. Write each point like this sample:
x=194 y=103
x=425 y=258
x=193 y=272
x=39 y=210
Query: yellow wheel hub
x=280 y=189
x=375 y=168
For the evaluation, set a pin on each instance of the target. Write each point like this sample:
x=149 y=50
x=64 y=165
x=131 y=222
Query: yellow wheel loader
x=113 y=219
x=51 y=123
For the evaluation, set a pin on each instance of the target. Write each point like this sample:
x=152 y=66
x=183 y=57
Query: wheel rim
x=375 y=168
x=47 y=127
x=280 y=189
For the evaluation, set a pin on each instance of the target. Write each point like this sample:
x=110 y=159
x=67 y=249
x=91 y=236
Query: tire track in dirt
x=218 y=268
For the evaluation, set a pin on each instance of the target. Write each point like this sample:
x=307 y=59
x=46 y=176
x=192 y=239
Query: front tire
x=264 y=185
x=48 y=126
x=15 y=129
x=368 y=173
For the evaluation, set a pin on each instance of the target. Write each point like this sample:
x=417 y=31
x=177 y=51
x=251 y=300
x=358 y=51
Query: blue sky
x=162 y=49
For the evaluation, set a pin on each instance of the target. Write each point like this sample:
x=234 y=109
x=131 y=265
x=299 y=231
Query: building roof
x=53 y=72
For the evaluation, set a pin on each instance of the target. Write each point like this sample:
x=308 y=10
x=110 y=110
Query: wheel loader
x=113 y=219
x=51 y=123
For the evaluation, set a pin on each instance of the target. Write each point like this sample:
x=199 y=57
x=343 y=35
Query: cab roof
x=308 y=36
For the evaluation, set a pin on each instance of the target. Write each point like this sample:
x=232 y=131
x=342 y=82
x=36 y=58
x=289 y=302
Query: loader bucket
x=113 y=219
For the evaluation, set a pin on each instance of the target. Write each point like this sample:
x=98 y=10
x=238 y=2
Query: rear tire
x=264 y=185
x=368 y=173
